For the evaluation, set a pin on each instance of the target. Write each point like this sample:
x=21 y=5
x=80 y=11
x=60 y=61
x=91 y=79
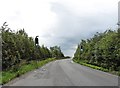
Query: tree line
x=18 y=48
x=101 y=50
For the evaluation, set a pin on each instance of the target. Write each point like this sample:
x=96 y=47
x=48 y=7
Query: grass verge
x=97 y=67
x=7 y=76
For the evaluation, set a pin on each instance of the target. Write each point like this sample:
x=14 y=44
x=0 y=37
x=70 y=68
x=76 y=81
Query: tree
x=101 y=50
x=56 y=52
x=17 y=48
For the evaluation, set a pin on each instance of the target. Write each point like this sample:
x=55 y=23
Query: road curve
x=66 y=73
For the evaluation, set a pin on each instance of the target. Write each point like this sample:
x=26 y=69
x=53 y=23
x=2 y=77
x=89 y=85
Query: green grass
x=94 y=67
x=6 y=76
x=0 y=77
x=97 y=67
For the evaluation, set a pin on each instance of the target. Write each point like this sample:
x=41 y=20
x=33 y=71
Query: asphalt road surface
x=66 y=73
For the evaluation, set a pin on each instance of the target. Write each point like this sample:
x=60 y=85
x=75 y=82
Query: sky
x=60 y=22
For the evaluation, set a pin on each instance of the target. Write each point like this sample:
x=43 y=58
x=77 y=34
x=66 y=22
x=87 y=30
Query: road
x=66 y=73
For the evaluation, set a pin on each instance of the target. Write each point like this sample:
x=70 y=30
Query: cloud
x=60 y=22
x=34 y=16
x=82 y=23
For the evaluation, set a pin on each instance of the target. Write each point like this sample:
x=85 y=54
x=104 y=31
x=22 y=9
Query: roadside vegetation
x=20 y=54
x=101 y=52
x=10 y=74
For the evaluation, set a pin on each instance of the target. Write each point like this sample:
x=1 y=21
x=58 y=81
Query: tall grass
x=97 y=67
x=7 y=76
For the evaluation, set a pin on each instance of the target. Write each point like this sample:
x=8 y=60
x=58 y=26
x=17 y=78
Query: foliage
x=56 y=52
x=9 y=75
x=102 y=50
x=92 y=66
x=19 y=49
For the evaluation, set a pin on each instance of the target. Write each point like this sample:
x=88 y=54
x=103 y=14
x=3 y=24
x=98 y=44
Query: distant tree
x=56 y=52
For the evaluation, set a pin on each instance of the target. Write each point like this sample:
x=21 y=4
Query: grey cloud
x=48 y=35
x=72 y=28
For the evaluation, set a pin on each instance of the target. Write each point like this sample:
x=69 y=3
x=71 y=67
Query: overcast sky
x=60 y=22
